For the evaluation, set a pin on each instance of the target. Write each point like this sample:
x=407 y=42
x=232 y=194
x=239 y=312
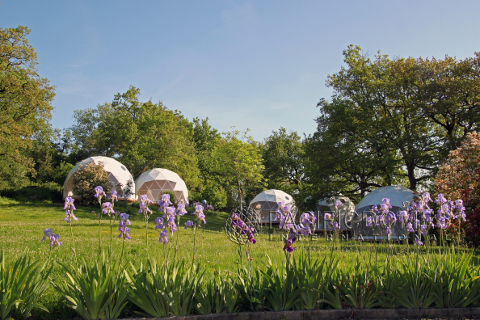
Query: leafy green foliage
x=95 y=290
x=217 y=295
x=146 y=136
x=24 y=105
x=391 y=121
x=239 y=162
x=166 y=290
x=21 y=285
x=283 y=157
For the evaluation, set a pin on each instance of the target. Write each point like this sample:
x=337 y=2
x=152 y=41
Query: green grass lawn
x=22 y=226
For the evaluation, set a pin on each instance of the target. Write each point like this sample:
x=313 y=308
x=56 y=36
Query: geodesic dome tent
x=156 y=181
x=346 y=212
x=266 y=203
x=397 y=195
x=119 y=176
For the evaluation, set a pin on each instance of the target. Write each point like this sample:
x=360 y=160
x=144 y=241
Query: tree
x=283 y=160
x=405 y=113
x=24 y=104
x=141 y=135
x=206 y=140
x=239 y=162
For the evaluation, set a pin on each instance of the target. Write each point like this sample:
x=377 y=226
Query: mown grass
x=22 y=225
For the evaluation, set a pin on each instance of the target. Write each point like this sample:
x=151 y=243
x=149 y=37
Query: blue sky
x=260 y=65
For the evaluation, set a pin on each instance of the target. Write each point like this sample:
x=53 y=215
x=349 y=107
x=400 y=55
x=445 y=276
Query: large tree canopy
x=239 y=162
x=24 y=103
x=392 y=121
x=141 y=135
x=283 y=158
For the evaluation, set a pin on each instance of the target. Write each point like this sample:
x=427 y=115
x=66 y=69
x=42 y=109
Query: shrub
x=459 y=178
x=86 y=179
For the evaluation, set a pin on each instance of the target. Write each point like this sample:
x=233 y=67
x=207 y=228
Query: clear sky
x=250 y=64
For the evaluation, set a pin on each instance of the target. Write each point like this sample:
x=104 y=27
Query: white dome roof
x=118 y=175
x=273 y=195
x=156 y=181
x=396 y=194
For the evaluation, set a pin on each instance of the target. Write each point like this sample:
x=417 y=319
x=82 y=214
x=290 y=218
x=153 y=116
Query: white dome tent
x=266 y=203
x=397 y=195
x=119 y=176
x=346 y=212
x=156 y=181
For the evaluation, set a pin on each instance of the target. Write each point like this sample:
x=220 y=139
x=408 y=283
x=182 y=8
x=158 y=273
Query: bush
x=35 y=191
x=459 y=178
x=86 y=179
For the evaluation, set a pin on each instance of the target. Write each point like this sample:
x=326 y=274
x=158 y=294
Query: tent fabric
x=266 y=202
x=396 y=194
x=118 y=175
x=156 y=181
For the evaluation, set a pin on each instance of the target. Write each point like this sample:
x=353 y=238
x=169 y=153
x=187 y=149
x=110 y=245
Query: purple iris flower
x=54 y=240
x=69 y=215
x=410 y=227
x=370 y=221
x=418 y=242
x=181 y=209
x=113 y=196
x=163 y=237
x=124 y=218
x=99 y=192
x=159 y=223
x=164 y=202
x=124 y=230
x=388 y=231
x=107 y=208
x=188 y=224
x=338 y=204
x=69 y=204
x=47 y=233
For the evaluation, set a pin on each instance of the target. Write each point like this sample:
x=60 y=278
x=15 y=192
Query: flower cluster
x=333 y=217
x=69 y=207
x=241 y=229
x=287 y=223
x=144 y=202
x=47 y=233
x=199 y=214
x=164 y=202
x=417 y=217
x=210 y=207
x=166 y=224
x=307 y=223
x=284 y=215
x=289 y=241
x=124 y=230
x=382 y=217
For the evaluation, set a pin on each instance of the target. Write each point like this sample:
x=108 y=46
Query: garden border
x=429 y=313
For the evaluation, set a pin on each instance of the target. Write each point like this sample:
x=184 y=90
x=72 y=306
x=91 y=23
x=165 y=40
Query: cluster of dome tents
x=151 y=183
x=156 y=181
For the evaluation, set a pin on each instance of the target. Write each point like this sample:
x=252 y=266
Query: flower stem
x=73 y=239
x=194 y=242
x=146 y=233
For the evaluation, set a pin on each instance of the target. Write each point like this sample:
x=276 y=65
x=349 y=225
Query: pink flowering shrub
x=459 y=178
